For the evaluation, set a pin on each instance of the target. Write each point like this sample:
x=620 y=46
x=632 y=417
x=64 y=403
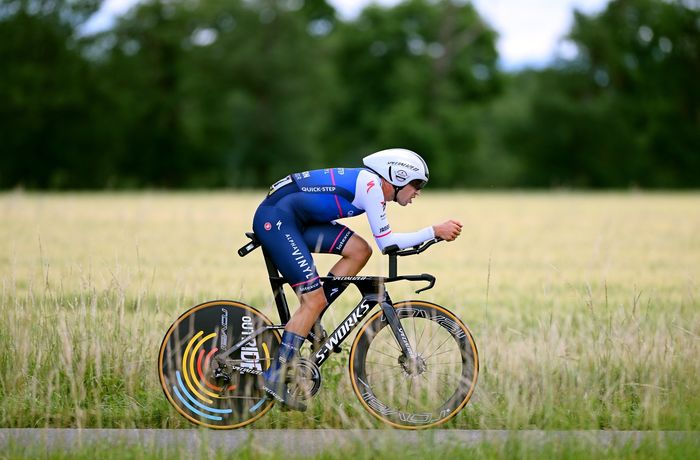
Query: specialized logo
x=404 y=165
x=268 y=226
x=370 y=184
x=401 y=175
x=279 y=224
x=224 y=328
x=250 y=356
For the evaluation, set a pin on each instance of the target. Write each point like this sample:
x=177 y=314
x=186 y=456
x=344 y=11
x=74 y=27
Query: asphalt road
x=309 y=441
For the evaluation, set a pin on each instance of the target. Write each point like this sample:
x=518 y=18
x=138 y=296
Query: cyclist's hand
x=449 y=230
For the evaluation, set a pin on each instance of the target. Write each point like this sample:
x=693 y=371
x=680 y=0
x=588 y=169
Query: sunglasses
x=418 y=184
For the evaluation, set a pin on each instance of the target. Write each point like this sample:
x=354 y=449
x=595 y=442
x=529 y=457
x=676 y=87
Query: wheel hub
x=413 y=366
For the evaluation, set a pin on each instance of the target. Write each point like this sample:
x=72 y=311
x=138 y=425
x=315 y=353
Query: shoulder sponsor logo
x=384 y=228
x=319 y=189
x=370 y=184
x=280 y=183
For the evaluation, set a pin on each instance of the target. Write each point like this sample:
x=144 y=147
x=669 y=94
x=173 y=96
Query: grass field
x=585 y=307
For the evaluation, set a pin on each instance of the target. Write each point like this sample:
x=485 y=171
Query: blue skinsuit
x=298 y=217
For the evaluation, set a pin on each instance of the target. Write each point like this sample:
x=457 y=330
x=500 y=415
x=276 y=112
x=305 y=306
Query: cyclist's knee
x=358 y=249
x=315 y=300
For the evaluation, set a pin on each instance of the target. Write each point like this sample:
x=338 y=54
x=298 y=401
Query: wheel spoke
x=385 y=378
x=382 y=371
x=425 y=326
x=381 y=364
x=432 y=337
x=408 y=394
x=443 y=343
x=437 y=354
x=385 y=354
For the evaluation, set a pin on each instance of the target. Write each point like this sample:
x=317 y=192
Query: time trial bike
x=413 y=364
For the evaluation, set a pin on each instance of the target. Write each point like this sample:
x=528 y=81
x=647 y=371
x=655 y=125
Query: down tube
x=344 y=329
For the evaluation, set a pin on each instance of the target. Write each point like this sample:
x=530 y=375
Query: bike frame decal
x=344 y=329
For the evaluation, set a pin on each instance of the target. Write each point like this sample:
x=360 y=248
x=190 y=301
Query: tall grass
x=585 y=307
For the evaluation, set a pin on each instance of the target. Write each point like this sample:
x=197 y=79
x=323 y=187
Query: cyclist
x=298 y=217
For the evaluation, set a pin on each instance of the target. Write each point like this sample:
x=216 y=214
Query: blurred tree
x=412 y=76
x=219 y=93
x=625 y=111
x=45 y=95
x=198 y=93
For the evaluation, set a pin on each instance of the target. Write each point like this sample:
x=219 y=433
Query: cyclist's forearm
x=405 y=240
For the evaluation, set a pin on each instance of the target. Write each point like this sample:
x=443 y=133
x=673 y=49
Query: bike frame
x=373 y=293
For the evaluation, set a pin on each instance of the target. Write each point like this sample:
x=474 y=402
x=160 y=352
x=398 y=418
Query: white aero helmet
x=399 y=167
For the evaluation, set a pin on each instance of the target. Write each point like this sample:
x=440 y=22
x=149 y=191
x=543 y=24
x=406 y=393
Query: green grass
x=585 y=307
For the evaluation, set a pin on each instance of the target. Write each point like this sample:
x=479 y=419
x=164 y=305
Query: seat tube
x=397 y=329
x=277 y=285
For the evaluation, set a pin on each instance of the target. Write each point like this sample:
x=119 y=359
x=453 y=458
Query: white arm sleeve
x=369 y=196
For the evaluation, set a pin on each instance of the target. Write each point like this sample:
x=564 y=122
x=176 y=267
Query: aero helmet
x=399 y=167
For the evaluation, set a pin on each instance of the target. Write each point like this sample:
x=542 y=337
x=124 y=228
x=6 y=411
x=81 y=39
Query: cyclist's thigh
x=284 y=243
x=328 y=238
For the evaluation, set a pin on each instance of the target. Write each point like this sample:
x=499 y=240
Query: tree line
x=237 y=93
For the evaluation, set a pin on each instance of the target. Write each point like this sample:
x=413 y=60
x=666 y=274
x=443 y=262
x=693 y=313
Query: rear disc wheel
x=205 y=389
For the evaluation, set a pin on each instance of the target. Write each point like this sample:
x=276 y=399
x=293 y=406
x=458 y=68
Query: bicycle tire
x=381 y=382
x=185 y=364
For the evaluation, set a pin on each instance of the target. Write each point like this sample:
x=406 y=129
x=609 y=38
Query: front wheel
x=424 y=391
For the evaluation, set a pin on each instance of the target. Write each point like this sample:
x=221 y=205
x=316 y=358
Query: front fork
x=397 y=329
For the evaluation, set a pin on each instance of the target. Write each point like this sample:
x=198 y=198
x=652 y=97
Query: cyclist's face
x=407 y=194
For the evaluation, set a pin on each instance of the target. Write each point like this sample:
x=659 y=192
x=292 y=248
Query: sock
x=288 y=349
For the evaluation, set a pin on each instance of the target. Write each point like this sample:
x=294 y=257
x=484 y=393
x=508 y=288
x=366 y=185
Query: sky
x=530 y=31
